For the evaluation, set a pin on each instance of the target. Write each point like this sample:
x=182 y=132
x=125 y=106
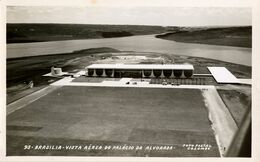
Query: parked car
x=164 y=83
x=175 y=84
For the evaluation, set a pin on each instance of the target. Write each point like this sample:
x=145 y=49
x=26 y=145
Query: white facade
x=141 y=70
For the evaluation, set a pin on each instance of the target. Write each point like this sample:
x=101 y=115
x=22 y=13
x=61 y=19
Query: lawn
x=113 y=116
x=237 y=102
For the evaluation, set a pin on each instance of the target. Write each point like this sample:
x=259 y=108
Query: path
x=16 y=105
x=222 y=122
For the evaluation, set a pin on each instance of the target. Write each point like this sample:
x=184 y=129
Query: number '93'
x=27 y=147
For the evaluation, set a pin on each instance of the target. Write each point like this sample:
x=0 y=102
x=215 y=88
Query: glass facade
x=157 y=73
x=99 y=72
x=147 y=73
x=188 y=73
x=90 y=72
x=177 y=73
x=167 y=73
x=131 y=73
x=109 y=72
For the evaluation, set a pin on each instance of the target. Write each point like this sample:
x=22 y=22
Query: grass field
x=113 y=116
x=238 y=101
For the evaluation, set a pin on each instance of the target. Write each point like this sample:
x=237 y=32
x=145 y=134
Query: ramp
x=223 y=75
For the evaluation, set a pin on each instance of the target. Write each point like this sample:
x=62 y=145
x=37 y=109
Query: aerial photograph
x=128 y=81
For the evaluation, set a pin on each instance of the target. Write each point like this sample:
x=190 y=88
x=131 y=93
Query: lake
x=141 y=43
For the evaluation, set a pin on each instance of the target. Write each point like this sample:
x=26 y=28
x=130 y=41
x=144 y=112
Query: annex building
x=141 y=70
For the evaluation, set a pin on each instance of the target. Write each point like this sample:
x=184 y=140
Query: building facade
x=140 y=70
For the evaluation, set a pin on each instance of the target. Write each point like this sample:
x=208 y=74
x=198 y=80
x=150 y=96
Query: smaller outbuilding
x=56 y=71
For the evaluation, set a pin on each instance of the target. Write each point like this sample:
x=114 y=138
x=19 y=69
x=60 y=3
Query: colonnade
x=144 y=73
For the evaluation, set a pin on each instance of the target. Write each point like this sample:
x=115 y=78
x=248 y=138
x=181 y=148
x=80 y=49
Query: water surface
x=143 y=43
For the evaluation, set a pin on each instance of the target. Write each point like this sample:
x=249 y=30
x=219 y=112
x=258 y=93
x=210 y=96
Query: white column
x=94 y=74
x=162 y=75
x=172 y=75
x=86 y=71
x=104 y=74
x=152 y=75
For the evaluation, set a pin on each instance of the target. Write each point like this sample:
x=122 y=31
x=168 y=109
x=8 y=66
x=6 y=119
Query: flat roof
x=223 y=75
x=142 y=66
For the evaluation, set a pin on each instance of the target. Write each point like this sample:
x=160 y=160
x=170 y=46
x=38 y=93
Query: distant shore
x=27 y=33
x=230 y=36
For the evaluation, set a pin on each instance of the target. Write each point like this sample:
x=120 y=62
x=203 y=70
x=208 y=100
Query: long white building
x=141 y=70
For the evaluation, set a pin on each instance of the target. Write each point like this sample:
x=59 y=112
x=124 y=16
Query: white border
x=133 y=3
x=255 y=4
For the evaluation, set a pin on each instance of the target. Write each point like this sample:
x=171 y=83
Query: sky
x=163 y=16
